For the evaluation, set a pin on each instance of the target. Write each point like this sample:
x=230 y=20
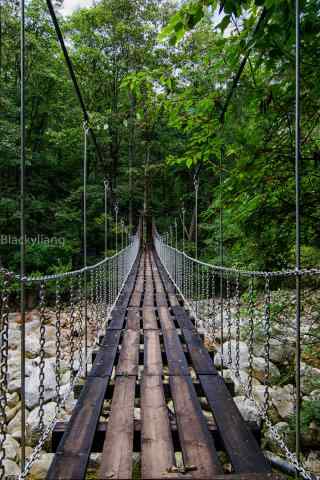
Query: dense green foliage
x=216 y=84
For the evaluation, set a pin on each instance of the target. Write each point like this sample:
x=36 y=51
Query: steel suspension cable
x=22 y=230
x=298 y=232
x=73 y=76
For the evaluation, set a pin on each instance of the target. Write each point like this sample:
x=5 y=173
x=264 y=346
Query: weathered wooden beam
x=109 y=393
x=100 y=434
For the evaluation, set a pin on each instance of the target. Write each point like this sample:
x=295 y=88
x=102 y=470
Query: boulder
x=315 y=395
x=288 y=436
x=283 y=400
x=50 y=333
x=14 y=373
x=243 y=355
x=40 y=468
x=313 y=462
x=14 y=339
x=32 y=423
x=311 y=436
x=50 y=349
x=32 y=346
x=12 y=399
x=11 y=412
x=33 y=326
x=15 y=424
x=310 y=378
x=32 y=385
x=11 y=469
x=70 y=401
x=247 y=409
x=12 y=448
x=258 y=366
x=244 y=377
x=280 y=351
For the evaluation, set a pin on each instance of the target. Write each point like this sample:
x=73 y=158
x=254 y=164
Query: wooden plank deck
x=159 y=348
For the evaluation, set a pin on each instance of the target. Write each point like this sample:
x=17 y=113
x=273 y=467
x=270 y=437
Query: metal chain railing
x=60 y=328
x=42 y=359
x=4 y=347
x=233 y=284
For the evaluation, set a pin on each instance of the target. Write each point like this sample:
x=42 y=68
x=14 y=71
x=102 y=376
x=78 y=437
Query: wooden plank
x=161 y=299
x=183 y=318
x=116 y=460
x=152 y=353
x=176 y=358
x=166 y=319
x=129 y=354
x=157 y=452
x=196 y=442
x=148 y=301
x=139 y=284
x=201 y=360
x=158 y=284
x=105 y=358
x=170 y=288
x=149 y=319
x=71 y=459
x=135 y=300
x=177 y=361
x=133 y=319
x=173 y=300
x=240 y=444
x=117 y=319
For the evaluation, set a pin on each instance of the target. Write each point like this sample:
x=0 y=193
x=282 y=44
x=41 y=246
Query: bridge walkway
x=152 y=358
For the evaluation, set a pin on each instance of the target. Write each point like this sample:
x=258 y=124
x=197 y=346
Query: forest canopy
x=171 y=90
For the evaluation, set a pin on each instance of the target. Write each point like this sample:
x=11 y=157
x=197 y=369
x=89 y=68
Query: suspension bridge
x=137 y=323
x=133 y=331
